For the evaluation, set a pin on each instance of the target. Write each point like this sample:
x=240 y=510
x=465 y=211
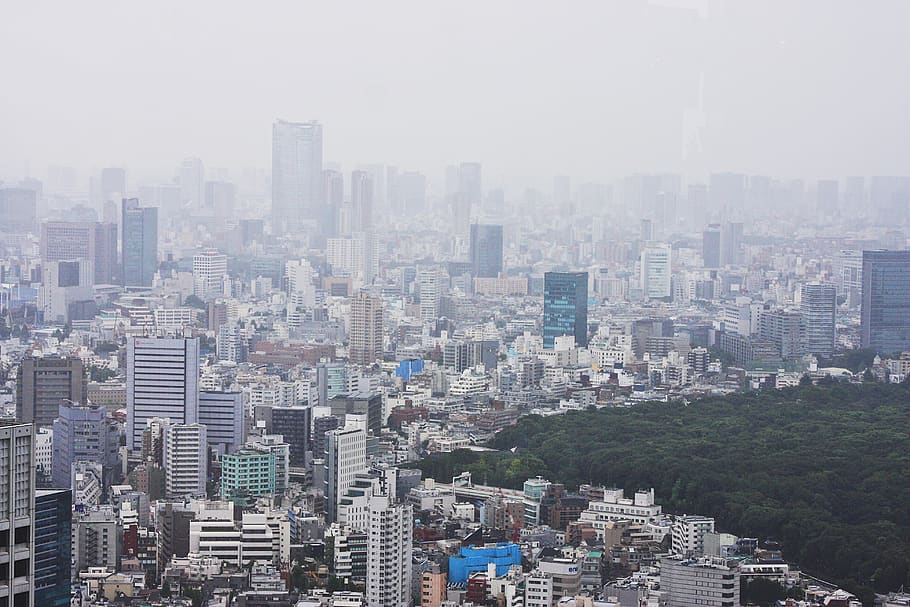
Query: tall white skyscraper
x=209 y=270
x=296 y=173
x=428 y=285
x=162 y=380
x=192 y=182
x=185 y=460
x=345 y=458
x=656 y=271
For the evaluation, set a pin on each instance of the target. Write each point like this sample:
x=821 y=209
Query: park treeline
x=824 y=470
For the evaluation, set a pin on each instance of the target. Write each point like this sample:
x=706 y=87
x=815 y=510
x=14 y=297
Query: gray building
x=486 y=250
x=17 y=513
x=699 y=582
x=818 y=305
x=44 y=383
x=296 y=173
x=84 y=433
x=223 y=416
x=139 y=243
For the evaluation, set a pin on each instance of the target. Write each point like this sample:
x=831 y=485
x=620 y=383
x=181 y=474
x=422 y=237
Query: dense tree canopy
x=823 y=469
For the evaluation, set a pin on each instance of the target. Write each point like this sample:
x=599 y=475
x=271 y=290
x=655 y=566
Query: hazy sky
x=593 y=89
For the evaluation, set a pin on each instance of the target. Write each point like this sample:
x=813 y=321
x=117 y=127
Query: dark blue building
x=53 y=546
x=565 y=307
x=885 y=318
x=486 y=250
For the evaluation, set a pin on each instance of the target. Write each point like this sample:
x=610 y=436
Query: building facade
x=565 y=307
x=885 y=317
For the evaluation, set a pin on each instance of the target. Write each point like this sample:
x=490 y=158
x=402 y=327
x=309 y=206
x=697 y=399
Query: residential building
x=247 y=474
x=365 y=335
x=185 y=460
x=688 y=534
x=345 y=458
x=96 y=539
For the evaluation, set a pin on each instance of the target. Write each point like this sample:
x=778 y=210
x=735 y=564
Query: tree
x=299 y=580
x=194 y=302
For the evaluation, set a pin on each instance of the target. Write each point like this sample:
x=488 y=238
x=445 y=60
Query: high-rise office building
x=209 y=270
x=83 y=433
x=94 y=241
x=185 y=460
x=345 y=458
x=53 y=547
x=827 y=199
x=365 y=336
x=162 y=380
x=17 y=513
x=818 y=304
x=784 y=329
x=332 y=200
x=565 y=307
x=139 y=244
x=18 y=209
x=468 y=197
x=710 y=247
x=44 y=383
x=113 y=184
x=486 y=250
x=220 y=197
x=562 y=192
x=223 y=416
x=192 y=183
x=885 y=317
x=646 y=230
x=731 y=243
x=296 y=173
x=293 y=423
x=361 y=201
x=656 y=271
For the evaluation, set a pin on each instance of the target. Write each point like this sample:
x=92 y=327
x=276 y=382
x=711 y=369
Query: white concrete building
x=616 y=507
x=699 y=582
x=688 y=534
x=209 y=270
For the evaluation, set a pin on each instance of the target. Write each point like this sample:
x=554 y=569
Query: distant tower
x=565 y=307
x=486 y=250
x=139 y=243
x=710 y=246
x=817 y=305
x=362 y=201
x=296 y=173
x=192 y=183
x=656 y=271
x=366 y=329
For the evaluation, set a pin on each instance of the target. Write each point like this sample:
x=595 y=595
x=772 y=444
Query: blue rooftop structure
x=470 y=559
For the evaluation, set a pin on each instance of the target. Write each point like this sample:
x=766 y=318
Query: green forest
x=825 y=469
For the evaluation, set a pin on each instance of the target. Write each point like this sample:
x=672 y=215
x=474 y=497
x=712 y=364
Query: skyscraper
x=469 y=195
x=486 y=250
x=162 y=380
x=389 y=547
x=885 y=317
x=565 y=307
x=53 y=547
x=710 y=247
x=345 y=458
x=296 y=173
x=44 y=383
x=656 y=271
x=18 y=209
x=113 y=184
x=818 y=305
x=139 y=244
x=94 y=241
x=209 y=270
x=731 y=242
x=17 y=513
x=192 y=183
x=365 y=337
x=361 y=201
x=429 y=291
x=332 y=199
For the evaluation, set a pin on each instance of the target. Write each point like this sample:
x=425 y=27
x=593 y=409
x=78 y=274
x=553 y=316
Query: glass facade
x=886 y=301
x=565 y=307
x=53 y=543
x=486 y=250
x=140 y=243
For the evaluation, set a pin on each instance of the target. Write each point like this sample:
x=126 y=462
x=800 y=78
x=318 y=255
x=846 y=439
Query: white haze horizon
x=594 y=90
